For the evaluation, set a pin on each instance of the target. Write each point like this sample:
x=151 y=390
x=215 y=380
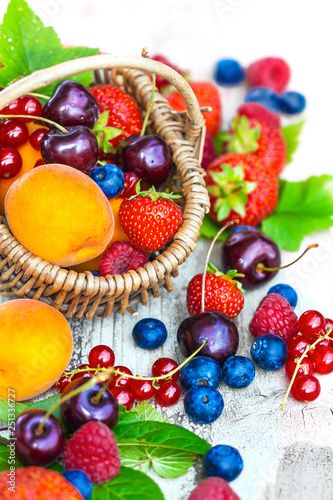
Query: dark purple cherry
x=219 y=330
x=78 y=148
x=83 y=407
x=147 y=157
x=34 y=447
x=244 y=250
x=72 y=104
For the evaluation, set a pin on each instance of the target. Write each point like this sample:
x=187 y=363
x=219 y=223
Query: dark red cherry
x=34 y=448
x=78 y=148
x=311 y=324
x=10 y=162
x=163 y=366
x=36 y=137
x=101 y=356
x=305 y=388
x=13 y=133
x=123 y=397
x=167 y=394
x=30 y=106
x=244 y=250
x=305 y=368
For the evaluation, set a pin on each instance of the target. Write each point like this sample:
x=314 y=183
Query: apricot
x=118 y=235
x=29 y=157
x=36 y=346
x=59 y=214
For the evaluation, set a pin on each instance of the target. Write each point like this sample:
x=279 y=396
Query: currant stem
x=41 y=96
x=261 y=267
x=220 y=231
x=299 y=362
x=39 y=118
x=145 y=121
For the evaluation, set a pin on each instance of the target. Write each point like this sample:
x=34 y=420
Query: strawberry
x=150 y=219
x=222 y=293
x=259 y=139
x=271 y=72
x=120 y=116
x=208 y=95
x=240 y=187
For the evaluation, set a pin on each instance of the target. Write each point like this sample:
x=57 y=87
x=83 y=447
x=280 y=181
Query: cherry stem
x=39 y=118
x=41 y=96
x=260 y=267
x=220 y=231
x=299 y=362
x=3 y=441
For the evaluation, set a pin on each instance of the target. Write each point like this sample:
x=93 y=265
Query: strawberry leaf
x=209 y=229
x=26 y=45
x=291 y=135
x=303 y=208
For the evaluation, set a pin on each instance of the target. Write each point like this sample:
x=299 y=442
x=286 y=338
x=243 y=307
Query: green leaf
x=169 y=449
x=291 y=135
x=209 y=229
x=128 y=485
x=304 y=208
x=7 y=459
x=4 y=409
x=141 y=413
x=47 y=403
x=26 y=45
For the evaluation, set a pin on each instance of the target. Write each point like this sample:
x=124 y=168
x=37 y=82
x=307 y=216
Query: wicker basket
x=83 y=294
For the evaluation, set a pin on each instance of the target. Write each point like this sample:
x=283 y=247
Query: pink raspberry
x=122 y=256
x=274 y=315
x=93 y=449
x=272 y=72
x=255 y=111
x=213 y=488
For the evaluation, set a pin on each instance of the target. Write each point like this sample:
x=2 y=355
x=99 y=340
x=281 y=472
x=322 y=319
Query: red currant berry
x=130 y=181
x=31 y=106
x=36 y=137
x=10 y=162
x=39 y=163
x=86 y=374
x=142 y=389
x=62 y=383
x=163 y=366
x=305 y=388
x=329 y=326
x=119 y=380
x=168 y=394
x=123 y=396
x=322 y=358
x=13 y=108
x=101 y=356
x=311 y=324
x=305 y=368
x=13 y=133
x=296 y=346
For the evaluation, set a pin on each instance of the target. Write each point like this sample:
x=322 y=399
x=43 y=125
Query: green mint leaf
x=141 y=413
x=304 y=208
x=291 y=135
x=130 y=484
x=4 y=407
x=209 y=229
x=26 y=45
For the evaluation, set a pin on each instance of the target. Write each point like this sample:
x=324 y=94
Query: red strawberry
x=272 y=72
x=274 y=315
x=161 y=82
x=121 y=257
x=258 y=112
x=124 y=115
x=222 y=293
x=268 y=144
x=208 y=95
x=240 y=187
x=209 y=151
x=36 y=483
x=150 y=219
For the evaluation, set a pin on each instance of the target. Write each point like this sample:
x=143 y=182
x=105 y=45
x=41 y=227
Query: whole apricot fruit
x=59 y=214
x=36 y=346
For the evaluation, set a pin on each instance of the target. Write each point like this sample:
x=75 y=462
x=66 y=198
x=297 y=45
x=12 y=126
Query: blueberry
x=243 y=228
x=269 y=352
x=110 y=179
x=203 y=404
x=96 y=273
x=292 y=102
x=228 y=72
x=201 y=371
x=149 y=333
x=223 y=461
x=286 y=291
x=238 y=372
x=81 y=481
x=264 y=96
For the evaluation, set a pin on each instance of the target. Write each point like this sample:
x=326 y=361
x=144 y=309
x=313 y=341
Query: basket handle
x=44 y=77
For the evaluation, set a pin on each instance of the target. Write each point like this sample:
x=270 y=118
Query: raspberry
x=38 y=484
x=271 y=72
x=93 y=449
x=122 y=256
x=213 y=488
x=256 y=111
x=274 y=315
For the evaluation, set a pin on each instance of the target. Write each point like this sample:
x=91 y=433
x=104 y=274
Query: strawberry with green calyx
x=240 y=187
x=252 y=136
x=223 y=292
x=150 y=219
x=105 y=134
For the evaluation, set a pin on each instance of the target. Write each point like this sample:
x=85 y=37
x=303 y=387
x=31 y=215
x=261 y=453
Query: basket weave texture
x=83 y=294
